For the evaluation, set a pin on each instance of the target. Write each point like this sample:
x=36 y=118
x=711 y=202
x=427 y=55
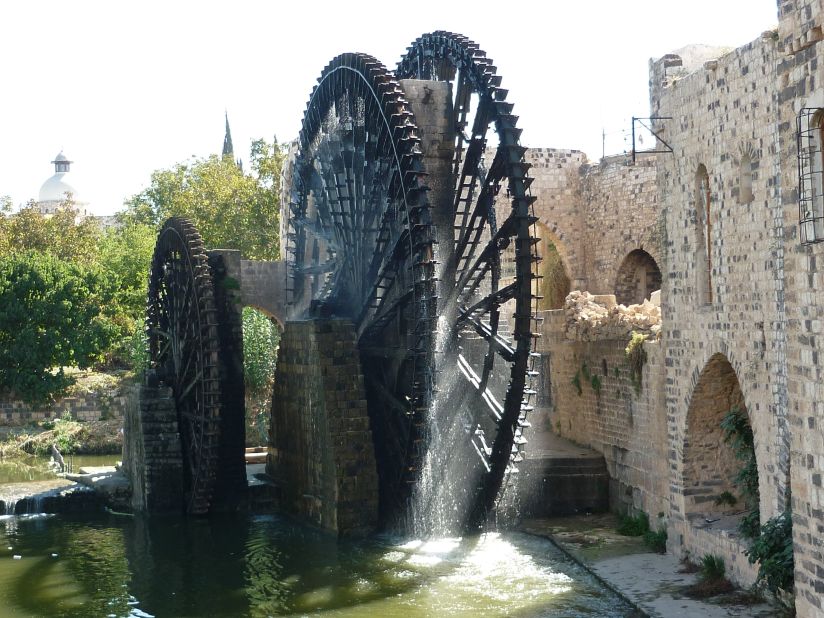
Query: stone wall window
x=745 y=195
x=703 y=236
x=811 y=174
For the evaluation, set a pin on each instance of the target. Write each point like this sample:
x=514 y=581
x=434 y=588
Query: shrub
x=725 y=498
x=712 y=568
x=53 y=314
x=633 y=526
x=657 y=541
x=773 y=550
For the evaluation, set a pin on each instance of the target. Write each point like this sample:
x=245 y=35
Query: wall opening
x=703 y=236
x=745 y=195
x=810 y=136
x=715 y=489
x=261 y=337
x=638 y=277
x=555 y=285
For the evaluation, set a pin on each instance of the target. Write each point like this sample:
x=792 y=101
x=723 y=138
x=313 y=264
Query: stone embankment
x=589 y=317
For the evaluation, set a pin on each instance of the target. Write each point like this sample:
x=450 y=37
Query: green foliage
x=232 y=210
x=134 y=348
x=595 y=382
x=65 y=431
x=725 y=498
x=585 y=371
x=656 y=541
x=261 y=337
x=773 y=550
x=712 y=568
x=60 y=234
x=576 y=382
x=636 y=357
x=125 y=252
x=53 y=314
x=738 y=434
x=633 y=526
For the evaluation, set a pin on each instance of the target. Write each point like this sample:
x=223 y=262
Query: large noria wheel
x=360 y=246
x=487 y=254
x=181 y=322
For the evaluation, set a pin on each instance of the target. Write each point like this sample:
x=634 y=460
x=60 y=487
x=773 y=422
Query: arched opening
x=720 y=471
x=703 y=235
x=261 y=337
x=638 y=277
x=745 y=195
x=555 y=284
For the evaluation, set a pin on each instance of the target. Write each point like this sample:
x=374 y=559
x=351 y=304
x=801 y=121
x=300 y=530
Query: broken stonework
x=588 y=317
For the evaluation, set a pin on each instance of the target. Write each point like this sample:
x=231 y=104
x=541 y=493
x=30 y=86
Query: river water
x=110 y=565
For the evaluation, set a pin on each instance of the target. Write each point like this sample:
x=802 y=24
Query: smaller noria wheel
x=181 y=322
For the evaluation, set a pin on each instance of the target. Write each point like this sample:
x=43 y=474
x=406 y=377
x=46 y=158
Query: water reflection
x=266 y=566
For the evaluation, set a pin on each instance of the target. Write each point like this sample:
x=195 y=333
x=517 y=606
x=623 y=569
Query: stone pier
x=321 y=454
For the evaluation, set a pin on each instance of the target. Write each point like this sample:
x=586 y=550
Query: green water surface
x=108 y=565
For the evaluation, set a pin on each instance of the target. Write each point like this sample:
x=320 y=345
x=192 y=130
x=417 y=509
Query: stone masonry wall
x=724 y=120
x=152 y=458
x=556 y=185
x=621 y=213
x=321 y=453
x=596 y=214
x=91 y=407
x=627 y=427
x=799 y=82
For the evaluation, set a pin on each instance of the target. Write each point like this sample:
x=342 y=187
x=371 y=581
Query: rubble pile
x=589 y=317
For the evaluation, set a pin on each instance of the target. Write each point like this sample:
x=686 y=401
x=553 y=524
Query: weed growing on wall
x=636 y=357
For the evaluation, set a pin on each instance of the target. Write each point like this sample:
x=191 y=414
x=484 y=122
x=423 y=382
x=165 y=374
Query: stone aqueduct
x=715 y=224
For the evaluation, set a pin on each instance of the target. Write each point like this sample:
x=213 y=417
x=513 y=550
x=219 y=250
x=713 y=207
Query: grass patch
x=711 y=579
x=633 y=526
x=656 y=541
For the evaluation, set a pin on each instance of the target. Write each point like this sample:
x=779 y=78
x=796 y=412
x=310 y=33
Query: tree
x=60 y=234
x=232 y=210
x=126 y=253
x=53 y=314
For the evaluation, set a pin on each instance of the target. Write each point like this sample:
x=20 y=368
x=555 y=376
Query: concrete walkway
x=653 y=582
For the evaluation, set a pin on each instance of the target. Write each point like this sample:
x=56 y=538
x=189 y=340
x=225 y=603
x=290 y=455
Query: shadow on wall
x=555 y=284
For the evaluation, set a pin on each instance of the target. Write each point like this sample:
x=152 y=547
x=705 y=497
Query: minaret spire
x=228 y=149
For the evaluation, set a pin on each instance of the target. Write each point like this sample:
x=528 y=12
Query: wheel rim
x=181 y=324
x=478 y=295
x=360 y=246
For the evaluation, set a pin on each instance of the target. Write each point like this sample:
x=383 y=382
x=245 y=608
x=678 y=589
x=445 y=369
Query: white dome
x=56 y=188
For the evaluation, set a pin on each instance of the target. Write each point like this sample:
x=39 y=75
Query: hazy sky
x=125 y=88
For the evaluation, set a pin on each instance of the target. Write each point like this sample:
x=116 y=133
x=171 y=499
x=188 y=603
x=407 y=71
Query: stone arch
x=638 y=277
x=709 y=463
x=555 y=284
x=274 y=317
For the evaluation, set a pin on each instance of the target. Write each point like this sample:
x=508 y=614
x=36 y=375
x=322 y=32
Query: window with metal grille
x=810 y=135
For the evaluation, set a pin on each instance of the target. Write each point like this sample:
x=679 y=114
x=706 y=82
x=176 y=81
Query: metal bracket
x=668 y=148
